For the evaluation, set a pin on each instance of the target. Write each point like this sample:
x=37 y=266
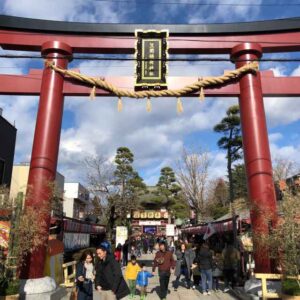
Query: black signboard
x=151 y=55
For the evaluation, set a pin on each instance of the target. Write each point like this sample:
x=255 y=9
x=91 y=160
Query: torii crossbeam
x=244 y=42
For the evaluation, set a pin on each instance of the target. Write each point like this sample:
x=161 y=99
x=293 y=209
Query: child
x=142 y=281
x=131 y=273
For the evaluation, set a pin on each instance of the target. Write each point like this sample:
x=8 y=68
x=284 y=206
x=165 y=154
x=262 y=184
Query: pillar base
x=42 y=288
x=37 y=286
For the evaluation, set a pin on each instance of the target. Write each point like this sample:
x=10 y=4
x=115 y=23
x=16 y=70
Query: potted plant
x=9 y=287
x=25 y=230
x=283 y=244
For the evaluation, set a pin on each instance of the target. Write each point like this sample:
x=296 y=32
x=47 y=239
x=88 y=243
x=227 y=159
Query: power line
x=279 y=5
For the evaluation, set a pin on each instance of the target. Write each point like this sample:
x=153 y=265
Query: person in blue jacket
x=142 y=281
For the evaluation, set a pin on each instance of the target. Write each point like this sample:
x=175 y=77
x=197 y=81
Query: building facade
x=8 y=134
x=76 y=200
x=149 y=222
x=19 y=181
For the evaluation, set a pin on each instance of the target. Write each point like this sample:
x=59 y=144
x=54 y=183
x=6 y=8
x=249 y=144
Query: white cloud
x=282 y=110
x=67 y=10
x=288 y=153
x=274 y=137
x=223 y=12
x=21 y=111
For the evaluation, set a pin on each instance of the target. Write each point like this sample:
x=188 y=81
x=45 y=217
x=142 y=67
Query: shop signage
x=149 y=214
x=149 y=223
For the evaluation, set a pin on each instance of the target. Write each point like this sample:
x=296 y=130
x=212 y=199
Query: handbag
x=217 y=272
x=74 y=293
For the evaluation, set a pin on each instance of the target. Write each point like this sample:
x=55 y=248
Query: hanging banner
x=121 y=235
x=170 y=230
x=74 y=241
x=151 y=55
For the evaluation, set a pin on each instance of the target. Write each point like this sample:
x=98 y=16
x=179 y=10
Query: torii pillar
x=45 y=149
x=257 y=155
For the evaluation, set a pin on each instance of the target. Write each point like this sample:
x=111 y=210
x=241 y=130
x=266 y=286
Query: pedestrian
x=196 y=268
x=172 y=245
x=118 y=252
x=109 y=281
x=184 y=263
x=125 y=250
x=205 y=263
x=142 y=281
x=145 y=245
x=165 y=262
x=151 y=244
x=231 y=258
x=85 y=276
x=139 y=246
x=217 y=270
x=131 y=273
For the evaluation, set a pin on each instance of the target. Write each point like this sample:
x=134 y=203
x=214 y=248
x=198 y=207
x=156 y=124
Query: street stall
x=220 y=231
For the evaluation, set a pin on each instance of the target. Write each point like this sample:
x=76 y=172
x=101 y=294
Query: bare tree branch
x=192 y=176
x=284 y=168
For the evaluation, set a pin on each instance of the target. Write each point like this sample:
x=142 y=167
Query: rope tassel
x=120 y=105
x=201 y=95
x=148 y=105
x=93 y=93
x=179 y=106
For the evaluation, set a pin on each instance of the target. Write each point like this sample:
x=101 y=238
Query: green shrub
x=291 y=287
x=9 y=287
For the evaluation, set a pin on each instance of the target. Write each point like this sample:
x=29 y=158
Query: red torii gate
x=57 y=41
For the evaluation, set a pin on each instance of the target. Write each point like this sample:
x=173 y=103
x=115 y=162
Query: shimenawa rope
x=188 y=89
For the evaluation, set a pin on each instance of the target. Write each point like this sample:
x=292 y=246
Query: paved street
x=181 y=294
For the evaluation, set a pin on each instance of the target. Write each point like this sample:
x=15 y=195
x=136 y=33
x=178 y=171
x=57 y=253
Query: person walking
x=205 y=263
x=151 y=244
x=125 y=250
x=145 y=241
x=217 y=270
x=184 y=263
x=139 y=246
x=142 y=281
x=195 y=268
x=131 y=273
x=109 y=281
x=85 y=276
x=118 y=253
x=164 y=261
x=231 y=258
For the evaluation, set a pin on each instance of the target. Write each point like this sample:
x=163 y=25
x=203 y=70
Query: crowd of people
x=197 y=263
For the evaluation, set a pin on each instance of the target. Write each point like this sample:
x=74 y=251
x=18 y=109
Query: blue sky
x=156 y=138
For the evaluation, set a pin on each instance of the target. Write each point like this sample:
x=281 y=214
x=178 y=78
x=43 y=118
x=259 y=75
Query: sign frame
x=151 y=54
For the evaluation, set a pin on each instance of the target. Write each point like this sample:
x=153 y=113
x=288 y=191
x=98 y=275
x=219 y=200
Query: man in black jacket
x=109 y=280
